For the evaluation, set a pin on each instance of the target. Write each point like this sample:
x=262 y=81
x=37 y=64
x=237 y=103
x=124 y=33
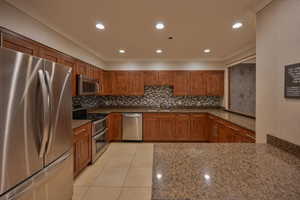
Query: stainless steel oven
x=99 y=130
x=99 y=144
x=87 y=86
x=99 y=126
x=99 y=138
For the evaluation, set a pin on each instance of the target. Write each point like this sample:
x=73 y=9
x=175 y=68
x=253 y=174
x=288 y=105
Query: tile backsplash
x=155 y=96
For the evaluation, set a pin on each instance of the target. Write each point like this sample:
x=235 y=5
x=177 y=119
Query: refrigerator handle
x=46 y=112
x=49 y=88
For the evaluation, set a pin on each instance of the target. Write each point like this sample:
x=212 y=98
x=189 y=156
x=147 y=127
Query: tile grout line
x=127 y=173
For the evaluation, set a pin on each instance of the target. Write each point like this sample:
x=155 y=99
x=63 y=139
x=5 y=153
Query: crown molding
x=245 y=52
x=262 y=4
x=46 y=23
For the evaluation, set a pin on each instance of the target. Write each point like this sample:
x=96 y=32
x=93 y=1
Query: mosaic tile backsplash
x=155 y=96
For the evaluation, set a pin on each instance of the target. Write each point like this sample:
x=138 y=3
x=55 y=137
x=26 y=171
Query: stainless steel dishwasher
x=132 y=127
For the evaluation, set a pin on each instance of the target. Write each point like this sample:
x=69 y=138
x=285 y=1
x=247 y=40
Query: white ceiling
x=194 y=24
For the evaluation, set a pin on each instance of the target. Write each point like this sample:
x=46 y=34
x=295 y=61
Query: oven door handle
x=100 y=134
x=99 y=121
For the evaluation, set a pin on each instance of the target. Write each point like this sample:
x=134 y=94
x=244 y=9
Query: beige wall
x=277 y=45
x=17 y=21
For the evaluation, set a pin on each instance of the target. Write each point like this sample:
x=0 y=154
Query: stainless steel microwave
x=87 y=86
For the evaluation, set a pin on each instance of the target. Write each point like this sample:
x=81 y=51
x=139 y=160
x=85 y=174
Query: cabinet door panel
x=182 y=83
x=167 y=126
x=135 y=83
x=20 y=44
x=215 y=83
x=115 y=127
x=119 y=83
x=81 y=68
x=151 y=128
x=182 y=127
x=107 y=83
x=166 y=78
x=50 y=54
x=198 y=83
x=198 y=127
x=151 y=77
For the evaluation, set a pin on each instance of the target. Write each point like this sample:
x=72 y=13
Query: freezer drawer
x=53 y=183
x=132 y=126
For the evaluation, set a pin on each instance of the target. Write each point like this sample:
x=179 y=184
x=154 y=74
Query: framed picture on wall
x=292 y=81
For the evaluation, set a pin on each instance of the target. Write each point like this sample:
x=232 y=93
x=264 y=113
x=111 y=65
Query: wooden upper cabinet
x=81 y=68
x=135 y=83
x=215 y=83
x=114 y=127
x=106 y=83
x=151 y=77
x=119 y=82
x=165 y=78
x=198 y=127
x=181 y=83
x=182 y=127
x=50 y=54
x=198 y=83
x=18 y=43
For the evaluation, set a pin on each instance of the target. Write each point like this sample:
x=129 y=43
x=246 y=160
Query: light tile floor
x=123 y=172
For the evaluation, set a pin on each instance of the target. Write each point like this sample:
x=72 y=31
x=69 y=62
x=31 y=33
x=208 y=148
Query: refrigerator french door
x=35 y=128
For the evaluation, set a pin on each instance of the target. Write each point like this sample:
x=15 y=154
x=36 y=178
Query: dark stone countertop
x=202 y=171
x=78 y=123
x=245 y=122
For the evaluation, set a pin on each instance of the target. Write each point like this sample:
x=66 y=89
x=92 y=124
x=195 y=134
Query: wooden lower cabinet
x=82 y=147
x=114 y=127
x=198 y=128
x=167 y=127
x=185 y=127
x=182 y=127
x=158 y=127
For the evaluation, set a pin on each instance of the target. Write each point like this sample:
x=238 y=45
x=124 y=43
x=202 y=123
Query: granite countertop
x=245 y=122
x=78 y=123
x=224 y=172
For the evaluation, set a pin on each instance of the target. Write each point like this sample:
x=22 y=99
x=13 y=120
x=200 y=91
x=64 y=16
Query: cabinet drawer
x=85 y=129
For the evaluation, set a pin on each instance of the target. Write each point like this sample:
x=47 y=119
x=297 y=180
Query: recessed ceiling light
x=207 y=51
x=159 y=51
x=159 y=26
x=122 y=51
x=237 y=25
x=100 y=26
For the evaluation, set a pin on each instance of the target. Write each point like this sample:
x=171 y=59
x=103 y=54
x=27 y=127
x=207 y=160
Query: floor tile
x=79 y=192
x=87 y=177
x=139 y=177
x=135 y=194
x=111 y=177
x=143 y=147
x=100 y=193
x=120 y=162
x=142 y=161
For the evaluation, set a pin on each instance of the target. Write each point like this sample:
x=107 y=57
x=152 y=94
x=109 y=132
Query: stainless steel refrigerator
x=36 y=161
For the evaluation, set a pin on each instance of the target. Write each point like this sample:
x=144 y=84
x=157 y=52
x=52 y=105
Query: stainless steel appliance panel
x=87 y=86
x=52 y=183
x=133 y=126
x=99 y=126
x=59 y=85
x=99 y=145
x=23 y=130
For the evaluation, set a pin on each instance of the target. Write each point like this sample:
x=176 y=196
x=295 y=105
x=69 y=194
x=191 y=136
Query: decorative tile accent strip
x=284 y=145
x=155 y=96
